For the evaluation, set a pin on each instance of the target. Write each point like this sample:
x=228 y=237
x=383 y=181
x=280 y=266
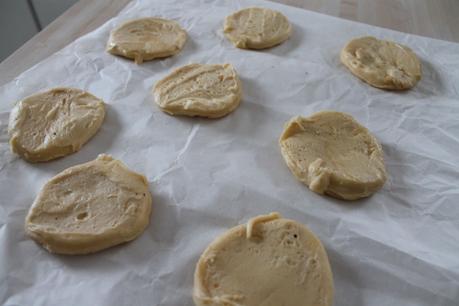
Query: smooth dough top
x=271 y=261
x=199 y=90
x=54 y=123
x=383 y=64
x=257 y=28
x=90 y=207
x=333 y=154
x=146 y=39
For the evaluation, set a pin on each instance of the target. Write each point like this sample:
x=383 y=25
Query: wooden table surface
x=433 y=18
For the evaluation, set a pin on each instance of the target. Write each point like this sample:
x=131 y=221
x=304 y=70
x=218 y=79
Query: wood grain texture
x=437 y=19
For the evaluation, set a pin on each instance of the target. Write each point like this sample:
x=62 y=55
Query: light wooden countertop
x=438 y=19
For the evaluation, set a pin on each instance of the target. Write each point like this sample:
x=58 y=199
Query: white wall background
x=17 y=23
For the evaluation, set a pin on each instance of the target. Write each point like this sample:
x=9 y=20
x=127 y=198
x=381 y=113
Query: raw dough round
x=90 y=207
x=271 y=261
x=199 y=90
x=146 y=39
x=54 y=123
x=257 y=28
x=383 y=64
x=333 y=154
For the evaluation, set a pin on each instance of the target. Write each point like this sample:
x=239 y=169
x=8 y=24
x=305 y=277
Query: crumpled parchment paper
x=399 y=247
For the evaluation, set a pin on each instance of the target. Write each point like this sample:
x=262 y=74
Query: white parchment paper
x=399 y=247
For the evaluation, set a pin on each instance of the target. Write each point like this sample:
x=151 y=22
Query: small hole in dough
x=82 y=216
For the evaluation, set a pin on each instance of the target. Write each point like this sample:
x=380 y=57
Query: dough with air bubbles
x=54 y=123
x=333 y=154
x=90 y=207
x=381 y=63
x=205 y=90
x=270 y=261
x=257 y=28
x=146 y=39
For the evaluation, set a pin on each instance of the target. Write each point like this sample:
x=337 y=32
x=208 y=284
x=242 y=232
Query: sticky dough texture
x=257 y=28
x=90 y=207
x=55 y=123
x=383 y=64
x=199 y=90
x=333 y=154
x=280 y=263
x=146 y=39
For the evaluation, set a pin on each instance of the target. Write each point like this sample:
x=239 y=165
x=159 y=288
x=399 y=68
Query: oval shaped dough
x=333 y=154
x=257 y=28
x=54 y=123
x=199 y=90
x=383 y=64
x=270 y=261
x=90 y=207
x=146 y=39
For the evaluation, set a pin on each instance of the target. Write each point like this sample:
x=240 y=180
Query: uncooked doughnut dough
x=199 y=90
x=333 y=154
x=383 y=64
x=257 y=28
x=272 y=261
x=90 y=207
x=146 y=39
x=54 y=123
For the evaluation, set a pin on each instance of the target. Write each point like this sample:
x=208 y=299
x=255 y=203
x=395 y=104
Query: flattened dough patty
x=333 y=154
x=146 y=39
x=90 y=207
x=257 y=28
x=54 y=123
x=383 y=64
x=271 y=261
x=199 y=90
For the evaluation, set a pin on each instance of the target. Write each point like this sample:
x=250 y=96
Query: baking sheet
x=399 y=247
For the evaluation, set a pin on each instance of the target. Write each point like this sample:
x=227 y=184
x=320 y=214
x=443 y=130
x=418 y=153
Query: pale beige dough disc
x=199 y=90
x=383 y=64
x=54 y=123
x=90 y=207
x=271 y=261
x=146 y=39
x=333 y=154
x=257 y=28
